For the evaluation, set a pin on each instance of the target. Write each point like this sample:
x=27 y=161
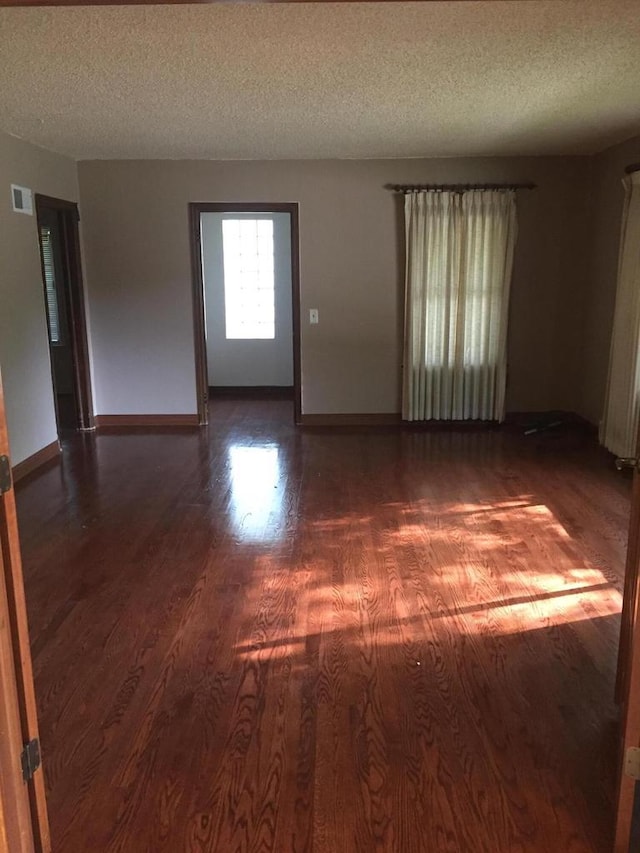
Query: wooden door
x=24 y=826
x=64 y=301
x=627 y=833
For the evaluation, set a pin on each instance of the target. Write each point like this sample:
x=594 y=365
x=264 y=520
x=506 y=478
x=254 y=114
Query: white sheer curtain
x=619 y=426
x=459 y=257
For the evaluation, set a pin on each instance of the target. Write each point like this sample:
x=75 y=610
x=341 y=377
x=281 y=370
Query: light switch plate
x=313 y=316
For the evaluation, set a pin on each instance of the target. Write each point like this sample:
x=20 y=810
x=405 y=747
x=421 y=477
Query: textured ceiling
x=322 y=80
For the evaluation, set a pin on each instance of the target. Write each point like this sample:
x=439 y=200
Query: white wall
x=247 y=362
x=24 y=345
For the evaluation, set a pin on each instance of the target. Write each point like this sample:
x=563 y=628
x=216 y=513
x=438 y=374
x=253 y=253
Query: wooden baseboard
x=36 y=460
x=517 y=419
x=364 y=419
x=146 y=421
x=254 y=392
x=542 y=421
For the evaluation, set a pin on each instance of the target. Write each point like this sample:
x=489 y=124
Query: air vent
x=22 y=200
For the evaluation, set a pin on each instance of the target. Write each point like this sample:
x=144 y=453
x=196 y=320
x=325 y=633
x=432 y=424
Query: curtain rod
x=414 y=188
x=634 y=167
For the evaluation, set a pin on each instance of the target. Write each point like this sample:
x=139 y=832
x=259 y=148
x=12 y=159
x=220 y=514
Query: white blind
x=50 y=284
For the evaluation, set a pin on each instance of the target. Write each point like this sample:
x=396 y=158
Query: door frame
x=627 y=814
x=15 y=810
x=22 y=803
x=196 y=209
x=72 y=260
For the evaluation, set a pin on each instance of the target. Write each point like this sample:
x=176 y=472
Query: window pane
x=248 y=278
x=50 y=285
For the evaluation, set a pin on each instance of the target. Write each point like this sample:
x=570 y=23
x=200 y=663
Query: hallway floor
x=256 y=638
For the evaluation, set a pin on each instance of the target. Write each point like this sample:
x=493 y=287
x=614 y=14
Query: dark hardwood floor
x=257 y=638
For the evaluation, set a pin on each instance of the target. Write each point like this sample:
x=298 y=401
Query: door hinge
x=30 y=759
x=632 y=762
x=5 y=474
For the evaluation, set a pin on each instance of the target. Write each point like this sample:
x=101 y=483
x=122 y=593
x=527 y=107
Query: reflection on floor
x=66 y=412
x=254 y=637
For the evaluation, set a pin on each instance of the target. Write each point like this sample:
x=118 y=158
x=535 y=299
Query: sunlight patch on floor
x=455 y=550
x=256 y=496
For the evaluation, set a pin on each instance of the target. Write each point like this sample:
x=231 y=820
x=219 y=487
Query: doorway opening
x=246 y=299
x=66 y=320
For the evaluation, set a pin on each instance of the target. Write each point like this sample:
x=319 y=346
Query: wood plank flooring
x=257 y=638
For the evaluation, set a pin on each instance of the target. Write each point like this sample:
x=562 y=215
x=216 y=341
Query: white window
x=459 y=257
x=48 y=266
x=248 y=278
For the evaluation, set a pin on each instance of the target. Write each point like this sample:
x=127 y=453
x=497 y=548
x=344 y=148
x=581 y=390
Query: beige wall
x=24 y=350
x=138 y=270
x=139 y=279
x=606 y=209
